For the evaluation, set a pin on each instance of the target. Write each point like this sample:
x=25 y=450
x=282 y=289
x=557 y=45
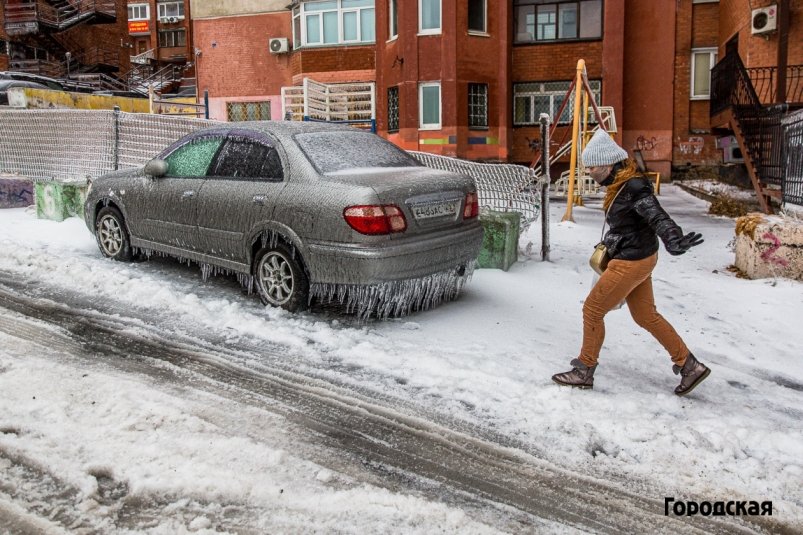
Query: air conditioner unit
x=172 y=19
x=278 y=45
x=764 y=20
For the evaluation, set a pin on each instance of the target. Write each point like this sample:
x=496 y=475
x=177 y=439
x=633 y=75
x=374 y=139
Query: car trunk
x=431 y=200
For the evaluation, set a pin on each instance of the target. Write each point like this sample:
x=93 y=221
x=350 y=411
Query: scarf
x=621 y=173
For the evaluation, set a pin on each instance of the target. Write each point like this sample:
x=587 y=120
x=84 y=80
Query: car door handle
x=259 y=199
x=188 y=195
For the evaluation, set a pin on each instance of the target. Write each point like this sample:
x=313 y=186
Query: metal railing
x=731 y=87
x=765 y=82
x=145 y=57
x=793 y=134
x=141 y=77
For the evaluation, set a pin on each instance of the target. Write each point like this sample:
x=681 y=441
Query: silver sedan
x=299 y=211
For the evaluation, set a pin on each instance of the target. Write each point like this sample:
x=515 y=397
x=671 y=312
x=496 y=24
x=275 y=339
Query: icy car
x=299 y=211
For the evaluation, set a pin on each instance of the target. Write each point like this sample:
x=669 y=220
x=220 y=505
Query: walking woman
x=636 y=220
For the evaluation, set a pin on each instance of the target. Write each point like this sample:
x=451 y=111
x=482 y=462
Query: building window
x=332 y=22
x=531 y=99
x=477 y=16
x=429 y=106
x=3 y=48
x=393 y=109
x=171 y=9
x=248 y=111
x=702 y=61
x=172 y=38
x=478 y=105
x=543 y=20
x=429 y=16
x=138 y=12
x=393 y=19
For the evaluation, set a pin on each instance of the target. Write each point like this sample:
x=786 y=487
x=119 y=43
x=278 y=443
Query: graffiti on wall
x=693 y=146
x=644 y=144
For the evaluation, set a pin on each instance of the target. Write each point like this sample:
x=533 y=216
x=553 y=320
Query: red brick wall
x=648 y=108
x=760 y=50
x=455 y=58
x=332 y=59
x=697 y=27
x=235 y=60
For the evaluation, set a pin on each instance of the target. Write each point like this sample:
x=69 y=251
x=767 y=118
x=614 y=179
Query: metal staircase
x=757 y=127
x=46 y=24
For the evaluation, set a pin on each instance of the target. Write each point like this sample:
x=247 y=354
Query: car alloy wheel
x=111 y=234
x=276 y=278
x=280 y=278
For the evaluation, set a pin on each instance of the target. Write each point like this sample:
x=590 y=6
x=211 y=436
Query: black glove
x=680 y=245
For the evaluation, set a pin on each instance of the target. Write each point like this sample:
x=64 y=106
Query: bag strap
x=605 y=219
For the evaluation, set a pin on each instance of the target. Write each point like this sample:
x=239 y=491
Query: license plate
x=442 y=209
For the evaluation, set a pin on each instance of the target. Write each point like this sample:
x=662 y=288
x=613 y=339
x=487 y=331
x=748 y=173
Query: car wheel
x=280 y=279
x=111 y=234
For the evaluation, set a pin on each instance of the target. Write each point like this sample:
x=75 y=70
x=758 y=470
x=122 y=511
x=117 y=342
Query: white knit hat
x=602 y=150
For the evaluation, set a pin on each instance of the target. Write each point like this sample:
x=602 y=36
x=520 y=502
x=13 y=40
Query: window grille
x=478 y=105
x=393 y=109
x=248 y=111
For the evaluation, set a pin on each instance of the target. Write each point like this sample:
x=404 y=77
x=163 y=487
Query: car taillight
x=472 y=208
x=375 y=219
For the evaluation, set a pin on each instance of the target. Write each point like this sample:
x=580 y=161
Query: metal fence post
x=116 y=148
x=545 y=185
x=206 y=104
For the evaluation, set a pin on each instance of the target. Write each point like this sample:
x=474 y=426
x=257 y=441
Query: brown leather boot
x=581 y=376
x=691 y=374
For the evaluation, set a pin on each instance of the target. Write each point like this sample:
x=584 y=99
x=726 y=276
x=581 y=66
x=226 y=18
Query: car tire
x=112 y=235
x=280 y=279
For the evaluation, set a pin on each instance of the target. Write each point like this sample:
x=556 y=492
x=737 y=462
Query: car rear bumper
x=336 y=263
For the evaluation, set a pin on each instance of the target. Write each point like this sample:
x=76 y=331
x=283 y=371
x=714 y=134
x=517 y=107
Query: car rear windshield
x=330 y=152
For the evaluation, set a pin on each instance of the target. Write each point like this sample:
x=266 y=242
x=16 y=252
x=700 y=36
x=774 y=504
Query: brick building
x=467 y=78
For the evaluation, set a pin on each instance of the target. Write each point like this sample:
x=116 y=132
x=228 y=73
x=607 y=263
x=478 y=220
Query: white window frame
x=429 y=31
x=712 y=53
x=139 y=7
x=162 y=9
x=393 y=19
x=484 y=31
x=301 y=14
x=173 y=38
x=429 y=126
x=555 y=95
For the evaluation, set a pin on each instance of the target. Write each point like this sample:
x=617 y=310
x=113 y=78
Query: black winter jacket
x=636 y=219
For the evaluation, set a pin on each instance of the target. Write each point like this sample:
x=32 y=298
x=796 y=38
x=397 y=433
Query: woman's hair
x=624 y=171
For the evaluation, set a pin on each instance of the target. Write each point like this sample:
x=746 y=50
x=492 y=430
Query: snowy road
x=140 y=398
x=371 y=439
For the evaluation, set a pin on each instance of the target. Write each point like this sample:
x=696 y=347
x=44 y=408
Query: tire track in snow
x=408 y=451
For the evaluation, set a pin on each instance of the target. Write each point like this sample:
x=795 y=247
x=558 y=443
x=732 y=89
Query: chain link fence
x=74 y=144
x=501 y=187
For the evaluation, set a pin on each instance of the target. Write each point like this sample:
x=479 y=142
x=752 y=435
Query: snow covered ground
x=485 y=359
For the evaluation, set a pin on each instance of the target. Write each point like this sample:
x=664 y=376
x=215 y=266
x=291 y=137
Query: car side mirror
x=156 y=168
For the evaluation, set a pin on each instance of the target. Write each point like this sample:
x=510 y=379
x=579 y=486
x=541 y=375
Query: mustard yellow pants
x=629 y=280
